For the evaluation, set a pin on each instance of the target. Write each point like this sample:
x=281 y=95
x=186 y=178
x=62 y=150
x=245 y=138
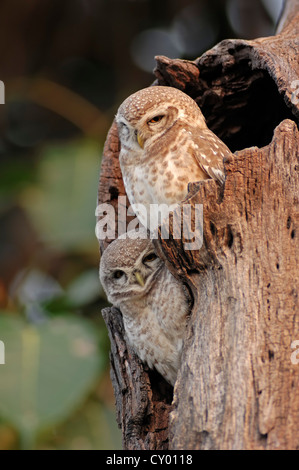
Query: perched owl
x=165 y=144
x=154 y=304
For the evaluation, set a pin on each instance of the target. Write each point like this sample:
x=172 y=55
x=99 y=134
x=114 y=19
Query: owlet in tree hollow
x=165 y=144
x=154 y=304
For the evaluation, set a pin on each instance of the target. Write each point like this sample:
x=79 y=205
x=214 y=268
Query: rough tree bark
x=237 y=387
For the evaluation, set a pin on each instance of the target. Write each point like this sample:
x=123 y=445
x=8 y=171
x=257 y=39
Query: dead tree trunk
x=237 y=387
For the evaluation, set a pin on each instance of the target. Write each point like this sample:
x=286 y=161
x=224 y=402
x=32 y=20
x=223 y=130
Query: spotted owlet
x=154 y=304
x=165 y=144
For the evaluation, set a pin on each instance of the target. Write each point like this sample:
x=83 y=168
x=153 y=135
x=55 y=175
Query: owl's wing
x=209 y=152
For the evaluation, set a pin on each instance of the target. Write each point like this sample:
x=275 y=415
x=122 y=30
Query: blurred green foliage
x=55 y=390
x=66 y=66
x=50 y=368
x=63 y=200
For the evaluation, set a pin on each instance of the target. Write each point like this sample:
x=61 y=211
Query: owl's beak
x=139 y=278
x=140 y=140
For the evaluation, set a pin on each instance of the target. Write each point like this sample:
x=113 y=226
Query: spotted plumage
x=165 y=144
x=154 y=304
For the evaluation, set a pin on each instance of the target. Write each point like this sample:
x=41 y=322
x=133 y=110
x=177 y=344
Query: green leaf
x=84 y=289
x=49 y=370
x=62 y=204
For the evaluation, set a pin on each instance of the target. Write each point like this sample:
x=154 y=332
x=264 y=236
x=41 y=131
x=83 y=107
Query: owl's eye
x=149 y=258
x=118 y=274
x=156 y=119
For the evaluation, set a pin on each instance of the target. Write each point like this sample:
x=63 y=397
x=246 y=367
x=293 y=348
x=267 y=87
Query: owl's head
x=148 y=114
x=129 y=268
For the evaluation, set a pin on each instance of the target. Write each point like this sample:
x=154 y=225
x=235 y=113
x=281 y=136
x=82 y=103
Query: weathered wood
x=237 y=385
x=242 y=389
x=143 y=397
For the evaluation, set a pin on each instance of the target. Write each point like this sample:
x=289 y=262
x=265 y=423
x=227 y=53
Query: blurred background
x=66 y=66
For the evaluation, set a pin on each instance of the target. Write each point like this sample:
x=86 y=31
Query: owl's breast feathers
x=155 y=324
